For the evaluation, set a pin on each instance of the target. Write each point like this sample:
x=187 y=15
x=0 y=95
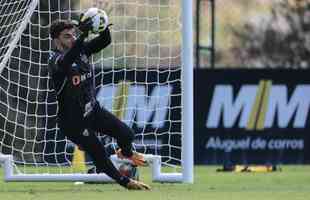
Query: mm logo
x=143 y=107
x=256 y=107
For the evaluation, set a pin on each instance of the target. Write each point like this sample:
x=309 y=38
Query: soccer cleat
x=137 y=185
x=136 y=158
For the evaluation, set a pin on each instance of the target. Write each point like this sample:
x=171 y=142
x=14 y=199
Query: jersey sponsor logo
x=257 y=107
x=76 y=80
x=142 y=107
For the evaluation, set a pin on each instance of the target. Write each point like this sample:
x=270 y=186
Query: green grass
x=292 y=183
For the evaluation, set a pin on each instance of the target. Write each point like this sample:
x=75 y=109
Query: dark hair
x=58 y=26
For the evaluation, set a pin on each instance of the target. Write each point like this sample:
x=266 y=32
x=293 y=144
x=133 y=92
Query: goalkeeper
x=73 y=80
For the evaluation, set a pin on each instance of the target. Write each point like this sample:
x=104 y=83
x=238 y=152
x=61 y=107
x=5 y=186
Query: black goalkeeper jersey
x=73 y=76
x=73 y=80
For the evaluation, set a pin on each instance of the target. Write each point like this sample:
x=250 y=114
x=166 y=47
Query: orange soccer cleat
x=136 y=158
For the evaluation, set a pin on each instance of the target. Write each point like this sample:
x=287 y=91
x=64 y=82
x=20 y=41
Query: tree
x=278 y=40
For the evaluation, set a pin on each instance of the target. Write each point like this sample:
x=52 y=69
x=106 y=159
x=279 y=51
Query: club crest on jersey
x=84 y=58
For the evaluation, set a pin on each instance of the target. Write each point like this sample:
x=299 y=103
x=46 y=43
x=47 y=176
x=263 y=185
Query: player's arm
x=98 y=43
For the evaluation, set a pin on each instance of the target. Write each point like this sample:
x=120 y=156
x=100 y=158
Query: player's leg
x=91 y=144
x=101 y=120
x=105 y=122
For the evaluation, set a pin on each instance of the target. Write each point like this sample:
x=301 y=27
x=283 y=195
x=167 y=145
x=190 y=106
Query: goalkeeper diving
x=73 y=80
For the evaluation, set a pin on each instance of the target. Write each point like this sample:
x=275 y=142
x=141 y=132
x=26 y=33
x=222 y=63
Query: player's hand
x=85 y=24
x=137 y=185
x=102 y=28
x=136 y=158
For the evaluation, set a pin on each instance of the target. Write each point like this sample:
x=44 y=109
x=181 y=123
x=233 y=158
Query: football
x=99 y=17
x=129 y=170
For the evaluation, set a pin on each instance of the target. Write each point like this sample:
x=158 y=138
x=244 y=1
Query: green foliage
x=280 y=39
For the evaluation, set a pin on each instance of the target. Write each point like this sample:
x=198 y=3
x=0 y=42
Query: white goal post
x=151 y=52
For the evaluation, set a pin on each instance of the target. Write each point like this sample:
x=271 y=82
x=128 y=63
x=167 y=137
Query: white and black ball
x=99 y=17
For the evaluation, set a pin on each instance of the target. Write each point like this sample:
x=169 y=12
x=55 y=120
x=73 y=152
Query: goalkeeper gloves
x=103 y=28
x=85 y=25
x=136 y=158
x=137 y=185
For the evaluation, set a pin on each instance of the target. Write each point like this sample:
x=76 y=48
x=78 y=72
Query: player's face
x=66 y=38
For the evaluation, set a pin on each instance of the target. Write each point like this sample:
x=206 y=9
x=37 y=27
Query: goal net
x=139 y=78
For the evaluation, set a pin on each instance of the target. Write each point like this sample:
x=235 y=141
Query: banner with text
x=252 y=116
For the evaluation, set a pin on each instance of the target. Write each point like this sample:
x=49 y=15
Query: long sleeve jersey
x=73 y=75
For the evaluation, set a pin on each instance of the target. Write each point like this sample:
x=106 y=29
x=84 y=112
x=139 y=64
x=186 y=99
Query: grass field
x=292 y=183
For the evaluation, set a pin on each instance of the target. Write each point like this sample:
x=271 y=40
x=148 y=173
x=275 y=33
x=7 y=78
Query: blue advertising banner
x=252 y=116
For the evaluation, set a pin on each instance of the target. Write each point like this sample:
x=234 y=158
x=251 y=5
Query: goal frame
x=186 y=175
